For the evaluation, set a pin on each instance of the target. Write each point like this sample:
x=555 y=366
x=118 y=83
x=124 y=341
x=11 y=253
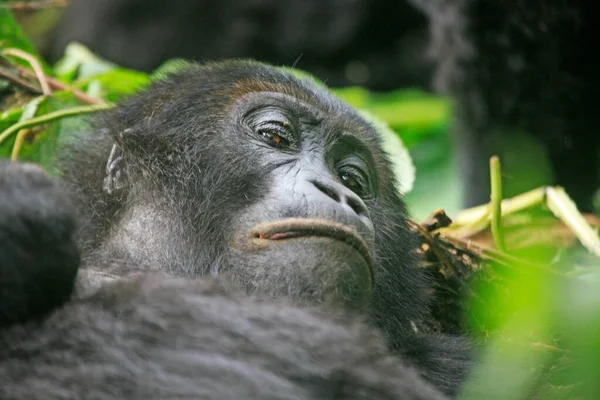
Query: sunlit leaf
x=80 y=62
x=117 y=84
x=402 y=164
x=169 y=67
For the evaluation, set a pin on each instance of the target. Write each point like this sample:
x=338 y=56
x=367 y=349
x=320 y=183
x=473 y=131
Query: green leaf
x=438 y=183
x=27 y=112
x=41 y=146
x=80 y=62
x=100 y=78
x=117 y=84
x=402 y=165
x=402 y=109
x=9 y=117
x=169 y=67
x=31 y=108
x=11 y=34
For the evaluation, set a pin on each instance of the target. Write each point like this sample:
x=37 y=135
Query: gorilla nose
x=342 y=195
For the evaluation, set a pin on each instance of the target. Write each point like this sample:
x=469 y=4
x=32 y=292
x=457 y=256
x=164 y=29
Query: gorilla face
x=242 y=169
x=310 y=234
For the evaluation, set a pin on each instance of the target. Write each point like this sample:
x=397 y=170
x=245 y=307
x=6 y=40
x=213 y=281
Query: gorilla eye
x=350 y=181
x=275 y=133
x=355 y=180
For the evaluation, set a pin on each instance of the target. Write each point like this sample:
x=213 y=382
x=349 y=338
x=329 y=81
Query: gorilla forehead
x=202 y=100
x=231 y=80
x=218 y=85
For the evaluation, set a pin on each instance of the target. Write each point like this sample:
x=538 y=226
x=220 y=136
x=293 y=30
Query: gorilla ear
x=116 y=177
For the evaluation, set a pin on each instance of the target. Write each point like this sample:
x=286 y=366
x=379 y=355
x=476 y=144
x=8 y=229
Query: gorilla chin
x=334 y=252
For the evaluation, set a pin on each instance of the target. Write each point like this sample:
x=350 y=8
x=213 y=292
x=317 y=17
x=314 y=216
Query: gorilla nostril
x=357 y=205
x=329 y=191
x=341 y=196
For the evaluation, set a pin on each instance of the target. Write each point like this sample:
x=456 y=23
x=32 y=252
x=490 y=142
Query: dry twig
x=34 y=5
x=35 y=64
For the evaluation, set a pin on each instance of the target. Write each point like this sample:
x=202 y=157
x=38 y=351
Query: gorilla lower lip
x=299 y=227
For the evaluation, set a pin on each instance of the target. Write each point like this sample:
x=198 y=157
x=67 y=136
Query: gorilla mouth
x=301 y=227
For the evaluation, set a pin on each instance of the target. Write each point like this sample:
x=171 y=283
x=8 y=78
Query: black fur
x=39 y=255
x=166 y=338
x=188 y=177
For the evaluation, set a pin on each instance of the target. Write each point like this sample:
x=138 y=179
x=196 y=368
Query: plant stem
x=496 y=203
x=51 y=117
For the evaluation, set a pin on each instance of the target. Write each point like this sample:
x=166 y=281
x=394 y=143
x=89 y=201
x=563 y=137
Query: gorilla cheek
x=310 y=270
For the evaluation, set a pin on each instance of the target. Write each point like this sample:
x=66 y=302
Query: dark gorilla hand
x=156 y=338
x=39 y=255
x=241 y=169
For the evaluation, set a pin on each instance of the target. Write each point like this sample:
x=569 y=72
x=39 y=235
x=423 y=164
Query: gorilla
x=152 y=337
x=241 y=170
